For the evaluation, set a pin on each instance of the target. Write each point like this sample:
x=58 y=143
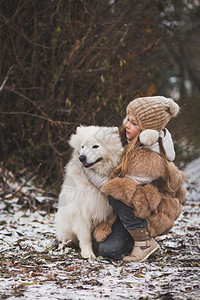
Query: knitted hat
x=152 y=115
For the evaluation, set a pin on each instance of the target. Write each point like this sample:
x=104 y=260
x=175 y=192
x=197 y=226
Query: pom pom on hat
x=173 y=107
x=149 y=137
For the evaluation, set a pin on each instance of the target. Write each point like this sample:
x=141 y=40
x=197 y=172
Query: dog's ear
x=115 y=129
x=72 y=141
x=78 y=129
x=125 y=121
x=75 y=140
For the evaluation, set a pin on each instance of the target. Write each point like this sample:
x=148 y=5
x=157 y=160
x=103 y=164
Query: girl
x=146 y=188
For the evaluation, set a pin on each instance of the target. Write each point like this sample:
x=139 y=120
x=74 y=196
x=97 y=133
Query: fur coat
x=154 y=202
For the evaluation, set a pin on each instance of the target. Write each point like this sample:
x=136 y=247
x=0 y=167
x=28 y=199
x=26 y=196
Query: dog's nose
x=82 y=158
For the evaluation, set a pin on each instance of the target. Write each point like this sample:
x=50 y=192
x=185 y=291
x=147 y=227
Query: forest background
x=65 y=63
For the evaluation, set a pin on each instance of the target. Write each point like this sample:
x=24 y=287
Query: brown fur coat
x=153 y=202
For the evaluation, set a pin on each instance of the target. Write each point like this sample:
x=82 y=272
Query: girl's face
x=132 y=127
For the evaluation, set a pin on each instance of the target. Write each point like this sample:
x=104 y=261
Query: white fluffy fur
x=173 y=107
x=80 y=211
x=148 y=137
x=125 y=121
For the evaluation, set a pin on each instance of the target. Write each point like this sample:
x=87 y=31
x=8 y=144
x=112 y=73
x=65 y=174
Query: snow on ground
x=33 y=266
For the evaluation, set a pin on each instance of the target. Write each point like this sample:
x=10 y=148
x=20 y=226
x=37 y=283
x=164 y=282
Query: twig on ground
x=29 y=178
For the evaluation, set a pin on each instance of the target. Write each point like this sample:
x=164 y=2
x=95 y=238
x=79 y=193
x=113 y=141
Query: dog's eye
x=82 y=146
x=95 y=146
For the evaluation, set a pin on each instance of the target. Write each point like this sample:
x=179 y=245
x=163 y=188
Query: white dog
x=81 y=205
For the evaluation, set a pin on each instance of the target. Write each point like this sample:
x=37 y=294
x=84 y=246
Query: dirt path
x=32 y=267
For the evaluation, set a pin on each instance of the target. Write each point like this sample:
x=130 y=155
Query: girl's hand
x=95 y=178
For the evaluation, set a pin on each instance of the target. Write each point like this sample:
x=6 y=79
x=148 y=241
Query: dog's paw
x=88 y=254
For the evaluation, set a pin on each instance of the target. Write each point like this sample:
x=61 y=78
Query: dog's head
x=97 y=147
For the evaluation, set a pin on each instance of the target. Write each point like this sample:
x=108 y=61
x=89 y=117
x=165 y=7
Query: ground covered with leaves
x=34 y=266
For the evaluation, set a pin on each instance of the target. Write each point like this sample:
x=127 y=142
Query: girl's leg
x=118 y=243
x=126 y=214
x=144 y=244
